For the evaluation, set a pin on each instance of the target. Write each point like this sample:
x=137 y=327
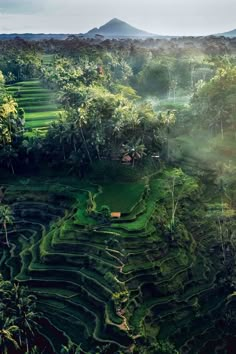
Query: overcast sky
x=177 y=17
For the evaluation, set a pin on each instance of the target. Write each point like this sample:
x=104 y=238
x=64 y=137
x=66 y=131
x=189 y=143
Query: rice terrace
x=38 y=102
x=117 y=192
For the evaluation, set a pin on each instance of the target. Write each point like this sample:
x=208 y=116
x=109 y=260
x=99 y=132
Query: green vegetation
x=18 y=319
x=39 y=103
x=117 y=199
x=120 y=196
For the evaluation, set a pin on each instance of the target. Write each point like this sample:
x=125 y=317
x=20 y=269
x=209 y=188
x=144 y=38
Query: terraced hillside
x=38 y=102
x=109 y=281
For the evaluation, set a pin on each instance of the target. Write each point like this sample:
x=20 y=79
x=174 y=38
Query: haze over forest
x=117 y=177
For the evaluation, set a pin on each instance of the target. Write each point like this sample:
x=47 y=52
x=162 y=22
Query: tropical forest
x=117 y=195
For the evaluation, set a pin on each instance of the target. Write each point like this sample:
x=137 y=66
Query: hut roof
x=116 y=214
x=126 y=158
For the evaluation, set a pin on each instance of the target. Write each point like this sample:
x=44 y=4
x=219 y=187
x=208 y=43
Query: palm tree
x=25 y=316
x=7 y=340
x=136 y=151
x=8 y=110
x=6 y=218
x=168 y=119
x=18 y=307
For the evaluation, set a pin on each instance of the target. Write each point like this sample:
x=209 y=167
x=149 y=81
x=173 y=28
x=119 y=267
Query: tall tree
x=6 y=218
x=135 y=150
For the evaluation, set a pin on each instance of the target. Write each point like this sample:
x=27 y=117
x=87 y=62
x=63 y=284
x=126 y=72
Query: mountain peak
x=117 y=28
x=115 y=20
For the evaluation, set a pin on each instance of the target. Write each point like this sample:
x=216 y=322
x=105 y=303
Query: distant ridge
x=33 y=36
x=229 y=34
x=114 y=28
x=118 y=29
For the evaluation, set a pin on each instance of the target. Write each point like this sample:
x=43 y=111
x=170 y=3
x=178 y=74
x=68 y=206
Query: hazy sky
x=178 y=17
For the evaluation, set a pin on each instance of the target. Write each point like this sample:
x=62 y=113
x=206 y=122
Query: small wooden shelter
x=116 y=215
x=126 y=159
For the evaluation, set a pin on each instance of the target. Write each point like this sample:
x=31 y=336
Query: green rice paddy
x=120 y=197
x=74 y=264
x=38 y=102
